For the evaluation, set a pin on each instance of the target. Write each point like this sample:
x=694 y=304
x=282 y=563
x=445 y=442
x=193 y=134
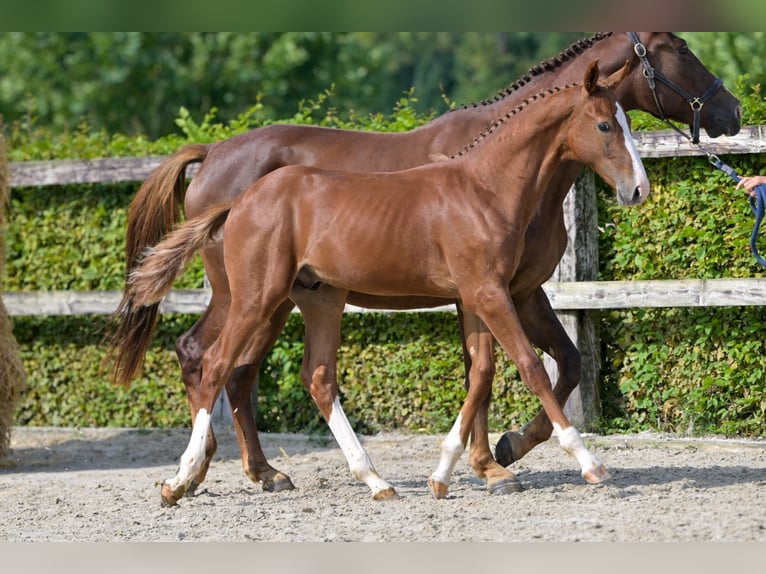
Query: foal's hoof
x=386 y=494
x=596 y=475
x=505 y=486
x=169 y=496
x=504 y=449
x=438 y=489
x=280 y=482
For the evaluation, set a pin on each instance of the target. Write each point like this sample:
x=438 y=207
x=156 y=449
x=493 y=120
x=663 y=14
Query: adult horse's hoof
x=280 y=482
x=169 y=496
x=596 y=475
x=504 y=449
x=386 y=494
x=438 y=489
x=505 y=486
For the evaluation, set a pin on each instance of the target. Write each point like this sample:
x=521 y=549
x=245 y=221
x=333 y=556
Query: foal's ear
x=616 y=79
x=590 y=81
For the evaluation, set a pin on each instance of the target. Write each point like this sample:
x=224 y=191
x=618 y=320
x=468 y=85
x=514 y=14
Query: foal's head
x=600 y=138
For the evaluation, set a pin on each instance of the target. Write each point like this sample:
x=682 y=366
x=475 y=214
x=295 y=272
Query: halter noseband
x=695 y=103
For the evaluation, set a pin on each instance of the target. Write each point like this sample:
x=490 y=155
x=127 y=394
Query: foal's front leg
x=479 y=358
x=494 y=305
x=478 y=343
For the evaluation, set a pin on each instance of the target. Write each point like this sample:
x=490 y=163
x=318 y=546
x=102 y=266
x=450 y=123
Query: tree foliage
x=135 y=82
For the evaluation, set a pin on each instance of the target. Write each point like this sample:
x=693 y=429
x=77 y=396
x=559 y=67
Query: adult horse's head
x=601 y=137
x=671 y=83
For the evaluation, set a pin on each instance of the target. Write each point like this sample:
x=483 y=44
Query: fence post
x=580 y=263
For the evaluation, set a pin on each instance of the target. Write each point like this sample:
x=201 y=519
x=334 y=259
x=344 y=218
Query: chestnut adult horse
x=453 y=229
x=230 y=166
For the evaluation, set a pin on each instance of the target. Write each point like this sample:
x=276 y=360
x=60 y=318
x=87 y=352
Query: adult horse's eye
x=683 y=49
x=604 y=127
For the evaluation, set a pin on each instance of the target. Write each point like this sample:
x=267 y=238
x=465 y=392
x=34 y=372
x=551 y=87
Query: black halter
x=696 y=103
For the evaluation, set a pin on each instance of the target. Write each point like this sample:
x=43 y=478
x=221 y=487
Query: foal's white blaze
x=358 y=460
x=642 y=181
x=194 y=455
x=572 y=443
x=452 y=448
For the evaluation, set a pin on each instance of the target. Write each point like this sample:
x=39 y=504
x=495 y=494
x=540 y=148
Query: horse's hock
x=12 y=375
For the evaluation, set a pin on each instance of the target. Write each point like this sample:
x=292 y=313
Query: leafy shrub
x=687 y=370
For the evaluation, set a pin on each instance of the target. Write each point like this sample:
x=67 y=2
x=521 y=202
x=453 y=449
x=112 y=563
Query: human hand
x=751 y=182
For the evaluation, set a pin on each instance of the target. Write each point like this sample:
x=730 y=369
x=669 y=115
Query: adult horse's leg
x=546 y=332
x=479 y=360
x=239 y=390
x=494 y=305
x=478 y=343
x=322 y=311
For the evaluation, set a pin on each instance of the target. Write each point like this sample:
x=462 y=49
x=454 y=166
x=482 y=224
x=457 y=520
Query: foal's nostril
x=637 y=195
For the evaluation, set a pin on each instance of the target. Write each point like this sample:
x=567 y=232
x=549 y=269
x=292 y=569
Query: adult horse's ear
x=616 y=79
x=590 y=81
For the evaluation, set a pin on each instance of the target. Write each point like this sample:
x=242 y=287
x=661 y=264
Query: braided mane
x=500 y=121
x=549 y=65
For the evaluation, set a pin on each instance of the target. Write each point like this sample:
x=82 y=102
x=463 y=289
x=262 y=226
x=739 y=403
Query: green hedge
x=688 y=370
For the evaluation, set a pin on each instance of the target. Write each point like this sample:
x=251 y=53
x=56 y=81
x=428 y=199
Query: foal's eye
x=683 y=49
x=604 y=127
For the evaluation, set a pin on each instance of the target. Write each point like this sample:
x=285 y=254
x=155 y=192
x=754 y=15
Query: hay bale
x=12 y=374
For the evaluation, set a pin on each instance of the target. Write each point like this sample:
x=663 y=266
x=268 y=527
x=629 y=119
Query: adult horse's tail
x=153 y=213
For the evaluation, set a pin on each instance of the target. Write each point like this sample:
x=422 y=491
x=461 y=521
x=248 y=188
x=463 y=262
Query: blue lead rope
x=757 y=204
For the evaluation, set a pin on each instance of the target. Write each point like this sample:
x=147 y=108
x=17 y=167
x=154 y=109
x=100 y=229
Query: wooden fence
x=573 y=290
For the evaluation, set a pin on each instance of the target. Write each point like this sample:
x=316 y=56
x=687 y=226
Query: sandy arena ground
x=102 y=485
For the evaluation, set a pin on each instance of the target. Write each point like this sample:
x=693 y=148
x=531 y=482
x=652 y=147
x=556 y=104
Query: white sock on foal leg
x=194 y=455
x=572 y=443
x=452 y=448
x=358 y=460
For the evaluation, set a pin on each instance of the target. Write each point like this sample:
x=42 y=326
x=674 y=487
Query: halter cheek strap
x=651 y=75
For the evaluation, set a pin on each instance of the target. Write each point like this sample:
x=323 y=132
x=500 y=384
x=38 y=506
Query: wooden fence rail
x=564 y=296
x=573 y=289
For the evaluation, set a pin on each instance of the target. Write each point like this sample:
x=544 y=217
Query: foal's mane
x=549 y=65
x=500 y=121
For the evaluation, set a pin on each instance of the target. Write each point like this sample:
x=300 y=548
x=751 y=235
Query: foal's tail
x=153 y=278
x=153 y=213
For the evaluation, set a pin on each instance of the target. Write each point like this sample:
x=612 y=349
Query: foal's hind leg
x=249 y=311
x=494 y=305
x=322 y=311
x=544 y=329
x=190 y=348
x=479 y=359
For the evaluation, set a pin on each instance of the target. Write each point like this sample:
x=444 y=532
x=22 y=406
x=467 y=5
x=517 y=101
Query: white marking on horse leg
x=572 y=443
x=452 y=448
x=194 y=455
x=358 y=461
